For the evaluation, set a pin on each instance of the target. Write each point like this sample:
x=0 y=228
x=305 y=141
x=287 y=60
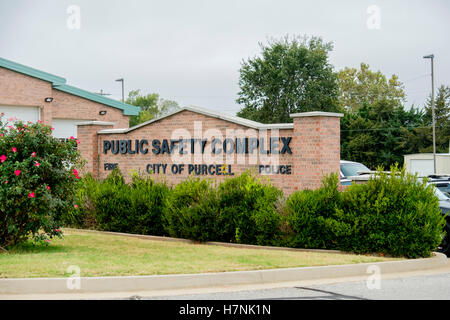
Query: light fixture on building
x=102 y=112
x=48 y=99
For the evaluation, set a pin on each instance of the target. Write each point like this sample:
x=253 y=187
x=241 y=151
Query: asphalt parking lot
x=418 y=287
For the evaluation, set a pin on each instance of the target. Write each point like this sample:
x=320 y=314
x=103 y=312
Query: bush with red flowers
x=37 y=181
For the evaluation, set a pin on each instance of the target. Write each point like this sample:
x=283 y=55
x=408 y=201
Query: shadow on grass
x=36 y=248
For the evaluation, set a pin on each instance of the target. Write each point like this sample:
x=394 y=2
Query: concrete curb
x=207 y=280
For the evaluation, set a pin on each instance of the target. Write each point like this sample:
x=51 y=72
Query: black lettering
x=288 y=169
x=106 y=146
x=165 y=147
x=173 y=146
x=274 y=144
x=130 y=151
x=141 y=146
x=156 y=146
x=286 y=148
x=115 y=147
x=230 y=142
x=182 y=146
x=213 y=146
x=123 y=146
x=203 y=142
x=253 y=144
x=261 y=147
x=241 y=145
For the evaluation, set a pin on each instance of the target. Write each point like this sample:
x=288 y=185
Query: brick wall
x=315 y=149
x=88 y=147
x=17 y=89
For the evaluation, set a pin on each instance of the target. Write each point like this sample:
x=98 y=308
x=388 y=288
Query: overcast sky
x=191 y=51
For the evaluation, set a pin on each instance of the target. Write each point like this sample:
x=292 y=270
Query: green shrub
x=191 y=211
x=395 y=214
x=37 y=181
x=114 y=205
x=82 y=214
x=311 y=216
x=148 y=199
x=248 y=207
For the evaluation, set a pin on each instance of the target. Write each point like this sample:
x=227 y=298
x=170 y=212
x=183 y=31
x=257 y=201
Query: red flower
x=33 y=154
x=17 y=172
x=14 y=149
x=48 y=187
x=75 y=172
x=37 y=164
x=31 y=195
x=76 y=206
x=71 y=138
x=3 y=158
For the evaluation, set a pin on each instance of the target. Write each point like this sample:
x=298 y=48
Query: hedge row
x=394 y=214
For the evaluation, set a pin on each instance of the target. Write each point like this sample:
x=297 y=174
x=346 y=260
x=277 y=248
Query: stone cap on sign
x=316 y=114
x=95 y=123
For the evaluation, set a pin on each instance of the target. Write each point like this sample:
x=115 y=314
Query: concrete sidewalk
x=110 y=286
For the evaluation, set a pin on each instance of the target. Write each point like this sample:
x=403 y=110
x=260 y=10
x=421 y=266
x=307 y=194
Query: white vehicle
x=353 y=169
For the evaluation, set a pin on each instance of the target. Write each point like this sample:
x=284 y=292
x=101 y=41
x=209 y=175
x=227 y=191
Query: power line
x=391 y=128
x=416 y=78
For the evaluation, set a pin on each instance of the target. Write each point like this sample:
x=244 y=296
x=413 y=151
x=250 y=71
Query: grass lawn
x=108 y=255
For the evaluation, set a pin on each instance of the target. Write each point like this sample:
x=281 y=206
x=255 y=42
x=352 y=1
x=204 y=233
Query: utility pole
x=123 y=92
x=431 y=56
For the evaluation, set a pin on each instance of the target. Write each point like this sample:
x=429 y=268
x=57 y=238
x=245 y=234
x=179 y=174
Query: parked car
x=353 y=171
x=352 y=168
x=442 y=191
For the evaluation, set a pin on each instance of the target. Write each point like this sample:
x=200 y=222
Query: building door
x=20 y=113
x=423 y=167
x=65 y=128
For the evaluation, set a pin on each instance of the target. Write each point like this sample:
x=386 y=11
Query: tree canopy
x=151 y=106
x=363 y=86
x=289 y=76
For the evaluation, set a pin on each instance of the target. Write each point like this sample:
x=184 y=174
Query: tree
x=378 y=134
x=38 y=178
x=421 y=139
x=290 y=75
x=358 y=87
x=151 y=106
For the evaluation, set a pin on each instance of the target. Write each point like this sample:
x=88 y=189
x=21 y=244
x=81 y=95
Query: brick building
x=189 y=141
x=31 y=95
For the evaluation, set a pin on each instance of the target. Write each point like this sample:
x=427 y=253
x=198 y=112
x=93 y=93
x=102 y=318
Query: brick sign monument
x=198 y=142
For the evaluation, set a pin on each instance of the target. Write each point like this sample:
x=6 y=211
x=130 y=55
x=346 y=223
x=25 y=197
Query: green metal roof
x=59 y=83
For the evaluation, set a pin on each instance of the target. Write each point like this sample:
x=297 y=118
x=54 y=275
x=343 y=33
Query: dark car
x=442 y=190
